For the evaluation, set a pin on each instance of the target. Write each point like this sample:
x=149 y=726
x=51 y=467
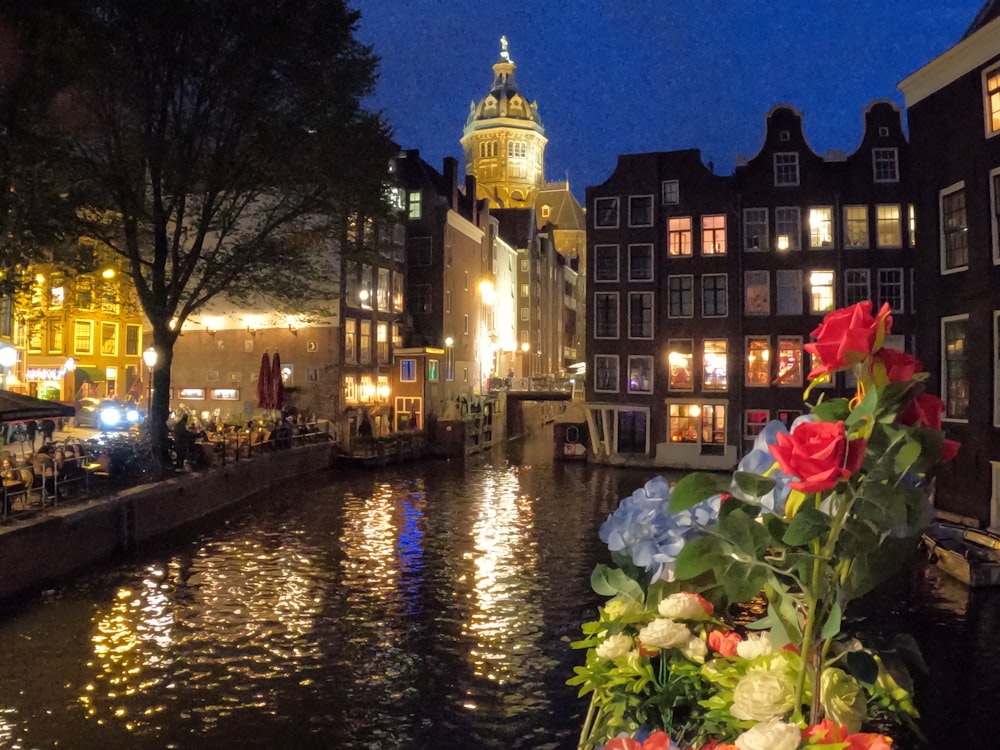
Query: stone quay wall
x=61 y=541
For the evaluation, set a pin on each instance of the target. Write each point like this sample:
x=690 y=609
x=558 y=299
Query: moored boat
x=968 y=555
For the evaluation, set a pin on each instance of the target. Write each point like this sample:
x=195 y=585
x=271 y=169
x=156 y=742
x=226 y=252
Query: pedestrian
x=30 y=427
x=48 y=428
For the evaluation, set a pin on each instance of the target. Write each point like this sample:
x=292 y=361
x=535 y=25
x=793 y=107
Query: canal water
x=416 y=607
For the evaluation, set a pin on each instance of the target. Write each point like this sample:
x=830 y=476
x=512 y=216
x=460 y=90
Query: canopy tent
x=15 y=407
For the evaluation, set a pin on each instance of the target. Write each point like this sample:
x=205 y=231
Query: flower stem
x=588 y=722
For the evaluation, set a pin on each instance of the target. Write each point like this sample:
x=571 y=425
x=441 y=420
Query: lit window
x=415 y=210
x=715 y=368
x=912 y=213
x=855 y=226
x=605 y=263
x=890 y=288
x=640 y=211
x=680 y=296
x=606 y=373
x=350 y=341
x=956 y=367
x=679 y=244
x=757 y=286
x=754 y=421
x=857 y=286
x=713 y=235
x=606 y=213
x=889 y=231
x=788 y=228
x=755 y=230
x=714 y=295
x=991 y=85
x=640 y=315
x=820 y=291
x=786 y=168
x=640 y=374
x=789 y=361
x=758 y=360
x=954 y=229
x=606 y=315
x=885 y=166
x=408 y=370
x=679 y=365
x=687 y=422
x=670 y=192
x=350 y=389
x=820 y=227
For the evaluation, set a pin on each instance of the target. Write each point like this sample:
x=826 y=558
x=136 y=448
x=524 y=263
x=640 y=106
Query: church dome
x=504 y=100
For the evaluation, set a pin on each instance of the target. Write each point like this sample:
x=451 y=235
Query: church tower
x=504 y=141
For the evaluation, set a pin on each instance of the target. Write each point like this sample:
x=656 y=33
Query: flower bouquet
x=723 y=624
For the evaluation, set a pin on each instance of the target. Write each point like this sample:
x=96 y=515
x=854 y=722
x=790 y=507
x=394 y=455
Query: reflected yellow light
x=695 y=410
x=783 y=242
x=108 y=273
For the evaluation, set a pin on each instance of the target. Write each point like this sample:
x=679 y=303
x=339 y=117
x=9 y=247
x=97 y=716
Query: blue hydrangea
x=760 y=461
x=648 y=533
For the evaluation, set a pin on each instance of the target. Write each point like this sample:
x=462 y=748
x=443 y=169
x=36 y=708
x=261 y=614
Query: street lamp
x=69 y=367
x=525 y=362
x=8 y=358
x=149 y=357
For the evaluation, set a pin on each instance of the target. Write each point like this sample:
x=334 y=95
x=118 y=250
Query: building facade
x=953 y=109
x=702 y=289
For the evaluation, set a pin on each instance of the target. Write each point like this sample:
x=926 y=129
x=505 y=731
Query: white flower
x=683 y=606
x=771 y=735
x=695 y=649
x=614 y=646
x=762 y=696
x=756 y=644
x=664 y=633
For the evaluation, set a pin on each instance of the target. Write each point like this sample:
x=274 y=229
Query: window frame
x=710 y=235
x=611 y=297
x=793 y=343
x=680 y=296
x=719 y=292
x=677 y=233
x=615 y=250
x=598 y=372
x=816 y=240
x=683 y=347
x=848 y=222
x=852 y=298
x=879 y=224
x=995 y=213
x=648 y=248
x=882 y=162
x=795 y=293
x=749 y=352
x=634 y=208
x=795 y=235
x=707 y=384
x=958 y=231
x=645 y=308
x=946 y=380
x=814 y=296
x=991 y=101
x=751 y=307
x=670 y=192
x=647 y=360
x=751 y=429
x=791 y=164
x=762 y=246
x=606 y=205
x=881 y=284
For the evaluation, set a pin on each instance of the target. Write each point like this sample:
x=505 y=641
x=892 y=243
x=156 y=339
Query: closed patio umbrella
x=264 y=383
x=277 y=383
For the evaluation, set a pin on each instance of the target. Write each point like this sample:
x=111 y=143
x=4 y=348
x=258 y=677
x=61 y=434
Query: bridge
x=535 y=389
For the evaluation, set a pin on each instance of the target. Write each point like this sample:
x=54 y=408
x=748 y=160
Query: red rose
x=899 y=366
x=924 y=410
x=818 y=454
x=724 y=642
x=847 y=336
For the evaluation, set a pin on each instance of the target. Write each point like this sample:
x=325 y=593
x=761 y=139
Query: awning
x=15 y=407
x=93 y=374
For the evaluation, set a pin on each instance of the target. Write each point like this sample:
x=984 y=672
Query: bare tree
x=211 y=141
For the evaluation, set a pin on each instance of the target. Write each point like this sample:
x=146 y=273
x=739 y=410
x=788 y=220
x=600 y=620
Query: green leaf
x=807 y=525
x=833 y=622
x=862 y=667
x=748 y=536
x=753 y=485
x=612 y=582
x=865 y=411
x=698 y=556
x=833 y=410
x=907 y=456
x=694 y=488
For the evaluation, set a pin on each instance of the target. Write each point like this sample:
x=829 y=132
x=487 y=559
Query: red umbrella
x=264 y=383
x=277 y=382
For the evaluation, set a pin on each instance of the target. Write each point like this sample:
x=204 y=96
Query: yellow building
x=76 y=335
x=504 y=141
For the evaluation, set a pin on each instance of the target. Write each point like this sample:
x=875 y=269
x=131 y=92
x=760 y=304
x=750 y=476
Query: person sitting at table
x=12 y=483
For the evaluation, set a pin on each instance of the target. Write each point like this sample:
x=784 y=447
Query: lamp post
x=149 y=357
x=525 y=361
x=8 y=358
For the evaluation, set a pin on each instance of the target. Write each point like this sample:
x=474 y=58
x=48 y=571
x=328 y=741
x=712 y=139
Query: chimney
x=470 y=196
x=451 y=181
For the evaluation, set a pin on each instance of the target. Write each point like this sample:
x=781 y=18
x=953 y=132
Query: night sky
x=631 y=76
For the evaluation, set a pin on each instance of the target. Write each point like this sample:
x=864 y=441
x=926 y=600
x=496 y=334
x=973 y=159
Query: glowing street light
x=149 y=357
x=8 y=358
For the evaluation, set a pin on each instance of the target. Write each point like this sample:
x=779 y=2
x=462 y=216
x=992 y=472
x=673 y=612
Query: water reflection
x=408 y=609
